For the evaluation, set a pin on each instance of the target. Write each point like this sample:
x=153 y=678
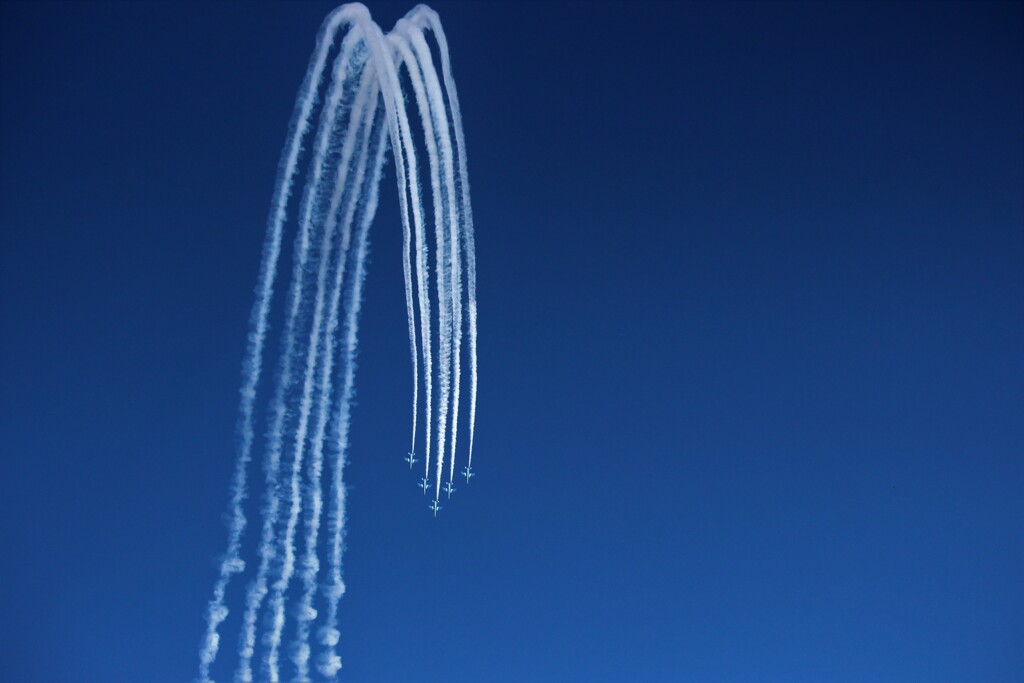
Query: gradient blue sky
x=752 y=321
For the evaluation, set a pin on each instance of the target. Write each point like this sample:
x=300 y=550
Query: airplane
x=424 y=484
x=411 y=458
x=435 y=507
x=466 y=472
x=449 y=489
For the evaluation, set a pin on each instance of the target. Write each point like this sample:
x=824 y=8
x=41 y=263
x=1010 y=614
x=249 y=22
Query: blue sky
x=751 y=283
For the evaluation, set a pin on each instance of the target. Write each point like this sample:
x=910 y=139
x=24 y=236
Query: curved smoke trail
x=331 y=661
x=308 y=223
x=427 y=104
x=427 y=19
x=364 y=109
x=287 y=544
x=439 y=116
x=310 y=562
x=252 y=365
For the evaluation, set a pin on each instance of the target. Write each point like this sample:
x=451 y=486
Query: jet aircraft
x=424 y=484
x=411 y=458
x=466 y=472
x=449 y=489
x=435 y=507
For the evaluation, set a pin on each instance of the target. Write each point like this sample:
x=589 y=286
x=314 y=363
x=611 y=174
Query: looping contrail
x=364 y=113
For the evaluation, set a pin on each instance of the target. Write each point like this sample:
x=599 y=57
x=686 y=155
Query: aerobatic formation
x=367 y=102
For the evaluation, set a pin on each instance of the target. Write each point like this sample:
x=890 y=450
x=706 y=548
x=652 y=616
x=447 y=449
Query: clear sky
x=751 y=282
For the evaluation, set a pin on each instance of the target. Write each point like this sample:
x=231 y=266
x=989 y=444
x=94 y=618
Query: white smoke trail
x=306 y=613
x=288 y=541
x=232 y=562
x=257 y=590
x=331 y=662
x=399 y=39
x=439 y=115
x=410 y=202
x=428 y=19
x=352 y=123
x=368 y=94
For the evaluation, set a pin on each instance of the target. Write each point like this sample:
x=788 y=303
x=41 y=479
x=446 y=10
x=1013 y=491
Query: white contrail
x=409 y=199
x=331 y=662
x=439 y=114
x=310 y=563
x=407 y=273
x=400 y=41
x=341 y=193
x=232 y=562
x=287 y=544
x=427 y=18
x=409 y=182
x=257 y=590
x=410 y=202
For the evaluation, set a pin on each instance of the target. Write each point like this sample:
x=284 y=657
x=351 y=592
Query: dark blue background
x=751 y=332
